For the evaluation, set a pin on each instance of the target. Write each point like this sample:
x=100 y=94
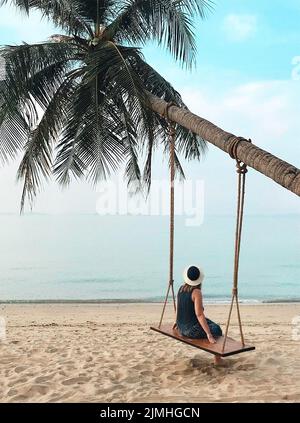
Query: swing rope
x=242 y=170
x=171 y=136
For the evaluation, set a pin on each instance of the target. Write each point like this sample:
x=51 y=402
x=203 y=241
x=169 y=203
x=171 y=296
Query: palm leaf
x=168 y=22
x=78 y=105
x=66 y=14
x=37 y=161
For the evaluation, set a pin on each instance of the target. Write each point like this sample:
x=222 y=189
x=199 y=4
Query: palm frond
x=128 y=131
x=36 y=164
x=13 y=135
x=33 y=75
x=67 y=14
x=78 y=105
x=168 y=22
x=188 y=144
x=90 y=143
x=101 y=10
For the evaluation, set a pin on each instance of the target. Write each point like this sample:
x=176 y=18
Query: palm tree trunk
x=285 y=174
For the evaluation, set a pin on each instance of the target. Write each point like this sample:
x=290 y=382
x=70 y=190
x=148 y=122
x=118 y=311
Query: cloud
x=267 y=110
x=268 y=113
x=239 y=28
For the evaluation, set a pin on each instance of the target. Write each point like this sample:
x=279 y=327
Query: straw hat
x=193 y=275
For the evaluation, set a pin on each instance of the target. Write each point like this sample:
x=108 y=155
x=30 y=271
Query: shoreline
x=148 y=301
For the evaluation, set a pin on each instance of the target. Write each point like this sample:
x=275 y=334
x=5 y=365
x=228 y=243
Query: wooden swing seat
x=232 y=347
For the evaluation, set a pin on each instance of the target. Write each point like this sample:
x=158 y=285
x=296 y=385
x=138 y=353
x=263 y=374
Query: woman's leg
x=196 y=332
x=214 y=328
x=216 y=331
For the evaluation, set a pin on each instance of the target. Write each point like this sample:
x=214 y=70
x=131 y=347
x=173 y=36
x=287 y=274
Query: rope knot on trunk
x=233 y=145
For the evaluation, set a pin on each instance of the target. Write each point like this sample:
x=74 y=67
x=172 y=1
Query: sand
x=106 y=353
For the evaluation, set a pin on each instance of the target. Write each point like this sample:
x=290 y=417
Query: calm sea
x=91 y=257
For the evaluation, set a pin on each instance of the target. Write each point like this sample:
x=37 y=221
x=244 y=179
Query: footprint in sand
x=249 y=366
x=291 y=397
x=132 y=379
x=108 y=389
x=37 y=389
x=146 y=373
x=19 y=398
x=76 y=380
x=271 y=362
x=42 y=379
x=52 y=350
x=20 y=369
x=12 y=392
x=196 y=363
x=32 y=392
x=88 y=366
x=18 y=381
x=210 y=370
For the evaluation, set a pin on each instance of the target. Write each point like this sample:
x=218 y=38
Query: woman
x=190 y=318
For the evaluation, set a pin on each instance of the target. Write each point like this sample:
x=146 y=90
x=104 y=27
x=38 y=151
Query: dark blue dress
x=187 y=322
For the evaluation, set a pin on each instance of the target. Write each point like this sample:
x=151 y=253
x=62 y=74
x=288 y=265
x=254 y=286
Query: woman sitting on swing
x=190 y=319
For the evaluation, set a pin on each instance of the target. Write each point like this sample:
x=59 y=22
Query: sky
x=247 y=81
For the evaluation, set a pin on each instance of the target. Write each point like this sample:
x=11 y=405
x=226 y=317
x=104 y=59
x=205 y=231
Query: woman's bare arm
x=198 y=304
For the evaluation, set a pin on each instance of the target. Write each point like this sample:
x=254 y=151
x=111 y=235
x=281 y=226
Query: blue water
x=91 y=257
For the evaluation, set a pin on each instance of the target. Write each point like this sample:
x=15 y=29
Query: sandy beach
x=106 y=353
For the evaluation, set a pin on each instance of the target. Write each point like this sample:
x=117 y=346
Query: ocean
x=106 y=258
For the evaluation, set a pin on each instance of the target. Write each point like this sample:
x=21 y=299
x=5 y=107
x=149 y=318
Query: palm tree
x=285 y=174
x=86 y=102
x=79 y=104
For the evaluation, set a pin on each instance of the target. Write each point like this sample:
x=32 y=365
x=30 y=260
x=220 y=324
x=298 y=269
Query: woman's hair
x=188 y=288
